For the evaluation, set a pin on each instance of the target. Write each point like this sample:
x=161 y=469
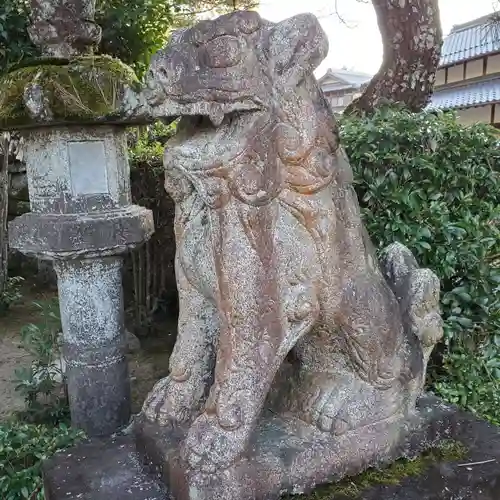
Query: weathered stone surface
x=100 y=470
x=107 y=470
x=79 y=190
x=18 y=187
x=77 y=169
x=417 y=290
x=76 y=88
x=53 y=236
x=132 y=344
x=64 y=28
x=273 y=261
x=18 y=207
x=476 y=477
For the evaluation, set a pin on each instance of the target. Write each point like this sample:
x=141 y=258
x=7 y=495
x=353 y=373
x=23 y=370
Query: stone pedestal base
x=100 y=470
x=286 y=457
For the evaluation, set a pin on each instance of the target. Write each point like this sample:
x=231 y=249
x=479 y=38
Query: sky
x=355 y=42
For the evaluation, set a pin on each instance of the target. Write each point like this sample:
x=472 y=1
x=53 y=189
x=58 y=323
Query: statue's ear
x=296 y=48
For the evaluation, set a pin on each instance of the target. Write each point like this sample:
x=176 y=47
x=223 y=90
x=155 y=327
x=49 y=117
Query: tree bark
x=412 y=38
x=4 y=202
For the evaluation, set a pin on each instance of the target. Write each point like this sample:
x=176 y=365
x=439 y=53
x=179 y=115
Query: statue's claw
x=208 y=447
x=169 y=402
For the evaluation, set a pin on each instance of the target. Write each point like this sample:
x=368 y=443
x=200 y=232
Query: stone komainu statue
x=273 y=265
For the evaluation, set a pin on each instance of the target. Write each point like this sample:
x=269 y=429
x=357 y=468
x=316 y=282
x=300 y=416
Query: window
x=337 y=100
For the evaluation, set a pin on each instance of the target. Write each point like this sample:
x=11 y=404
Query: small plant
x=148 y=144
x=11 y=294
x=43 y=383
x=23 y=447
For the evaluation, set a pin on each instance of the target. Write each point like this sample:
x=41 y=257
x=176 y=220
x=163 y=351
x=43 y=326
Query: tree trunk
x=412 y=38
x=4 y=201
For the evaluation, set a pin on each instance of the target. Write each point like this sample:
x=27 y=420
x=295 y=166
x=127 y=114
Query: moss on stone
x=82 y=89
x=353 y=487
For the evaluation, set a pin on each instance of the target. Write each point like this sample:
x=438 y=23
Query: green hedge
x=433 y=184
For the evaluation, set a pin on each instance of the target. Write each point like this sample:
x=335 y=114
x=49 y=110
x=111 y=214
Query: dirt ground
x=147 y=365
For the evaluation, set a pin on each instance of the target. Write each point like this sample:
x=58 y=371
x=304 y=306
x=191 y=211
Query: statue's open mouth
x=199 y=141
x=170 y=107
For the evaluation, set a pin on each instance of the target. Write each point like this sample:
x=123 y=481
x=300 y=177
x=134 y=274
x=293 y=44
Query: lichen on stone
x=82 y=89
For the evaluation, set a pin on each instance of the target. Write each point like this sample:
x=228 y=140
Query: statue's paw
x=208 y=447
x=169 y=402
x=321 y=398
x=333 y=421
x=364 y=407
x=341 y=403
x=330 y=415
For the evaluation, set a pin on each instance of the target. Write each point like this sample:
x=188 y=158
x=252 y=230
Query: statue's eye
x=200 y=32
x=249 y=22
x=222 y=52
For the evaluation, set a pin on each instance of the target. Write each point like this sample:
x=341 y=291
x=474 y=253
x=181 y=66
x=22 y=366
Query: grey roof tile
x=468 y=95
x=354 y=78
x=470 y=40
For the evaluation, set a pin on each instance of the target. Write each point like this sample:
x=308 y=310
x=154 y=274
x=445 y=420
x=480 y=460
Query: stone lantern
x=68 y=106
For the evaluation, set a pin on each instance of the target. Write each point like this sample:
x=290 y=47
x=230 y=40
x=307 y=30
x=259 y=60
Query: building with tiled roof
x=468 y=77
x=341 y=86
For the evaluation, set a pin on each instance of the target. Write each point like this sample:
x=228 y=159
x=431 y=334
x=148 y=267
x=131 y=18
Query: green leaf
x=465 y=322
x=425 y=232
x=464 y=296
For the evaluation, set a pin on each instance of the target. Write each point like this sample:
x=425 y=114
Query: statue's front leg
x=179 y=398
x=253 y=340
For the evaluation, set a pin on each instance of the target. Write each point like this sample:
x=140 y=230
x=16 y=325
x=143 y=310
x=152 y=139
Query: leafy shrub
x=471 y=380
x=23 y=447
x=133 y=30
x=43 y=384
x=148 y=144
x=433 y=184
x=11 y=294
x=15 y=44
